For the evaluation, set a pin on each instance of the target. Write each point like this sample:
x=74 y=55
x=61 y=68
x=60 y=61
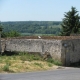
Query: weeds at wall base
x=11 y=60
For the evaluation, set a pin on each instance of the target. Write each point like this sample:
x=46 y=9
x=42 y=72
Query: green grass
x=36 y=34
x=17 y=60
x=6 y=67
x=38 y=64
x=24 y=56
x=29 y=56
x=56 y=62
x=33 y=56
x=50 y=64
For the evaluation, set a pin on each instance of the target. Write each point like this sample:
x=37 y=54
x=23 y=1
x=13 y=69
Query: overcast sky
x=36 y=10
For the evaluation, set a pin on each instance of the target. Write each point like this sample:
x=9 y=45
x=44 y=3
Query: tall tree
x=71 y=22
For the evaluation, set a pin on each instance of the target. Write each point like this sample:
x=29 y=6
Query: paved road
x=64 y=74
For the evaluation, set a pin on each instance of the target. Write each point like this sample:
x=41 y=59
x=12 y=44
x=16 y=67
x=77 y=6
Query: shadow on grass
x=7 y=53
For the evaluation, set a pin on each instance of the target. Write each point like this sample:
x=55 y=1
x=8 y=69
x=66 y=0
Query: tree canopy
x=1 y=27
x=71 y=22
x=10 y=34
x=33 y=27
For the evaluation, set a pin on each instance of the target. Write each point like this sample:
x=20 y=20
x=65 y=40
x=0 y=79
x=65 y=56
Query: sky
x=36 y=10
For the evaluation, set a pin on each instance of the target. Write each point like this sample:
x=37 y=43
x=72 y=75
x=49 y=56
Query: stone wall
x=3 y=45
x=71 y=51
x=65 y=50
x=43 y=46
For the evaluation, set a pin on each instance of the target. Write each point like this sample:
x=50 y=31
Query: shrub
x=56 y=62
x=50 y=60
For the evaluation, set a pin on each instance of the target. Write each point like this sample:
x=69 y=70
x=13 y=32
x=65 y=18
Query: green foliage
x=71 y=22
x=56 y=62
x=10 y=34
x=50 y=60
x=50 y=64
x=1 y=27
x=29 y=56
x=36 y=34
x=11 y=61
x=6 y=67
x=33 y=27
x=38 y=64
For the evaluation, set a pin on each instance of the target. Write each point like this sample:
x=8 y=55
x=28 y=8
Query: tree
x=10 y=34
x=71 y=22
x=1 y=27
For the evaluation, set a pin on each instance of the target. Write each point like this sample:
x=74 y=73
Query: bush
x=56 y=62
x=50 y=60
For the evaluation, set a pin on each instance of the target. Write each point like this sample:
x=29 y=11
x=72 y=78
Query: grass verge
x=23 y=62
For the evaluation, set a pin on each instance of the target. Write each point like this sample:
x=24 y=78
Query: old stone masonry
x=64 y=49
